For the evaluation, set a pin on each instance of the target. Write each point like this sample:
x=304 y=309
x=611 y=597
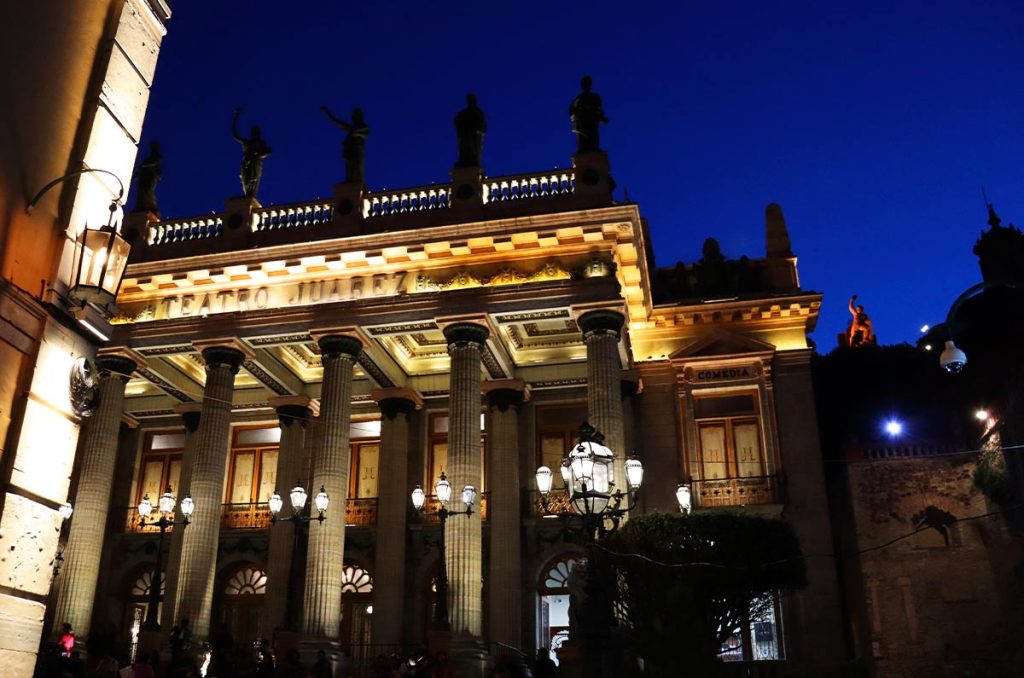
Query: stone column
x=189 y=413
x=601 y=330
x=77 y=581
x=463 y=545
x=396 y=404
x=293 y=413
x=326 y=552
x=505 y=575
x=197 y=568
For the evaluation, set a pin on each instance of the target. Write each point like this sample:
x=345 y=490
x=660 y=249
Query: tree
x=687 y=582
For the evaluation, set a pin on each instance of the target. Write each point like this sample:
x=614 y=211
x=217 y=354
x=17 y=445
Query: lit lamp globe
x=419 y=498
x=167 y=502
x=187 y=506
x=544 y=479
x=634 y=474
x=591 y=469
x=468 y=495
x=65 y=510
x=443 y=490
x=298 y=498
x=683 y=497
x=145 y=507
x=275 y=503
x=321 y=500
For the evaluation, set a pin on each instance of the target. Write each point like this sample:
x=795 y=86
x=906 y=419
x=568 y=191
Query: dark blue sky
x=874 y=125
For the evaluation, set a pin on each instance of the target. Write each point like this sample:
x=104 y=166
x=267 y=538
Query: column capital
x=119 y=360
x=601 y=321
x=291 y=409
x=395 y=401
x=464 y=333
x=189 y=413
x=338 y=341
x=505 y=393
x=227 y=351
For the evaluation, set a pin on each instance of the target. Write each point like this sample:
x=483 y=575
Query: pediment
x=720 y=344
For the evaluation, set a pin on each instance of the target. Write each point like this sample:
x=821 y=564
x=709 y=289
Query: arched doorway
x=356 y=611
x=242 y=606
x=553 y=603
x=138 y=605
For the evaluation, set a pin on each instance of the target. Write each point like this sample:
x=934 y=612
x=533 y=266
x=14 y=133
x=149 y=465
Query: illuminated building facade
x=369 y=343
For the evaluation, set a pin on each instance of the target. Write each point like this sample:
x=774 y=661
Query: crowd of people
x=221 y=659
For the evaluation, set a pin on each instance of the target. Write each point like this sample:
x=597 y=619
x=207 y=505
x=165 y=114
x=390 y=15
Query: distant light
x=981 y=415
x=924 y=328
x=894 y=428
x=927 y=347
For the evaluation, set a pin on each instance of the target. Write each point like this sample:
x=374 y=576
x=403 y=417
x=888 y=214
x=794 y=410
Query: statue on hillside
x=254 y=152
x=470 y=126
x=353 y=149
x=860 y=332
x=147 y=176
x=586 y=115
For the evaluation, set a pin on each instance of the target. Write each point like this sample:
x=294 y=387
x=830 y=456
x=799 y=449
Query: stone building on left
x=76 y=78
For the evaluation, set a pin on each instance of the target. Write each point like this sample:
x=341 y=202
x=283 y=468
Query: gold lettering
x=262 y=297
x=243 y=300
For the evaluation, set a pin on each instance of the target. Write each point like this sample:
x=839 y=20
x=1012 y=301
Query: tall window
x=758 y=638
x=438 y=451
x=252 y=477
x=161 y=465
x=729 y=437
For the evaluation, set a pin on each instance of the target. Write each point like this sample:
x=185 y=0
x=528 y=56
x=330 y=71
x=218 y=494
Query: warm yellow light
x=981 y=415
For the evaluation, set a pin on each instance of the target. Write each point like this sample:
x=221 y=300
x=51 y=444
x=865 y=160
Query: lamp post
x=589 y=474
x=165 y=506
x=301 y=517
x=952 y=359
x=443 y=492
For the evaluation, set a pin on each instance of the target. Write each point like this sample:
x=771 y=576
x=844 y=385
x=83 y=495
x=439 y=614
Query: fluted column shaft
x=293 y=414
x=601 y=330
x=326 y=551
x=504 y=581
x=77 y=581
x=392 y=508
x=190 y=413
x=199 y=540
x=463 y=539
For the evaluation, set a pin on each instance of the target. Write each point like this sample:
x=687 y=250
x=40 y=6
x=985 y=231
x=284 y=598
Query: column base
x=570 y=659
x=309 y=649
x=469 y=656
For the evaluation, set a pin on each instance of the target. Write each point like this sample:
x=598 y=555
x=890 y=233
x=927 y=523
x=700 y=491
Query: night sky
x=874 y=125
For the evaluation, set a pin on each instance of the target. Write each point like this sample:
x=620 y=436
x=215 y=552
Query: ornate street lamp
x=683 y=497
x=298 y=497
x=101 y=256
x=165 y=507
x=443 y=492
x=589 y=474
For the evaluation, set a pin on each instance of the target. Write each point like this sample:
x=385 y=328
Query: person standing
x=67 y=640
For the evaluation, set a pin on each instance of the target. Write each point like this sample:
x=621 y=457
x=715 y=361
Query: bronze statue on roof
x=254 y=152
x=470 y=126
x=586 y=115
x=353 y=149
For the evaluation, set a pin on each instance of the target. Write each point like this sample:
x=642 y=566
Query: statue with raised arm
x=860 y=332
x=147 y=176
x=353 y=149
x=254 y=152
x=586 y=115
x=470 y=126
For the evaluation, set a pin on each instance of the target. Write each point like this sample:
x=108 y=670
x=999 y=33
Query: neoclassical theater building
x=368 y=343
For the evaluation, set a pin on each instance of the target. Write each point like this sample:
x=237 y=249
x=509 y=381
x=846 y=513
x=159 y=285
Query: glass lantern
x=321 y=500
x=101 y=256
x=591 y=474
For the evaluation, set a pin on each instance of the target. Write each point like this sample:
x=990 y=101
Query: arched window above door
x=555 y=578
x=355 y=579
x=247 y=580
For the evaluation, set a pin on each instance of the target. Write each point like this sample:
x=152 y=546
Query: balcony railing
x=385 y=203
x=292 y=216
x=737 y=491
x=525 y=186
x=257 y=516
x=184 y=230
x=557 y=501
